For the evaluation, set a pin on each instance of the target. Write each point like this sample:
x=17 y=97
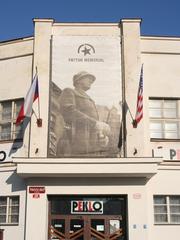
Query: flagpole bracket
x=134 y=123
x=39 y=122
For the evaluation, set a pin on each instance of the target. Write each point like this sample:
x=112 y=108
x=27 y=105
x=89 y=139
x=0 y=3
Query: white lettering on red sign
x=37 y=190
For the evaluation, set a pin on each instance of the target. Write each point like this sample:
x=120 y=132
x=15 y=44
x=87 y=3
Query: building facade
x=86 y=172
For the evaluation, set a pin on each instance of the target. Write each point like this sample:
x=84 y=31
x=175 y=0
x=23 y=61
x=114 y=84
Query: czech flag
x=26 y=107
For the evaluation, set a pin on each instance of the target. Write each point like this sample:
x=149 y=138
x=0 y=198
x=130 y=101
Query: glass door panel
x=57 y=229
x=76 y=229
x=115 y=231
x=97 y=229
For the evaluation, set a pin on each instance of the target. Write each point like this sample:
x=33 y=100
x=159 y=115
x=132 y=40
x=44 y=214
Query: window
x=8 y=114
x=164 y=119
x=9 y=210
x=167 y=209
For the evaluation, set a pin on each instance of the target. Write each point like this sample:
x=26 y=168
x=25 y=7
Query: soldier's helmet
x=81 y=75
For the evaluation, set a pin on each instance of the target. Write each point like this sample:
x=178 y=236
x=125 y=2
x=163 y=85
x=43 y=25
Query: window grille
x=167 y=209
x=8 y=113
x=9 y=209
x=164 y=118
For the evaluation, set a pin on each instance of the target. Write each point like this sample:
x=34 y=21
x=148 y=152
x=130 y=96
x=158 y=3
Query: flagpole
x=35 y=114
x=127 y=106
x=39 y=107
x=123 y=131
x=39 y=120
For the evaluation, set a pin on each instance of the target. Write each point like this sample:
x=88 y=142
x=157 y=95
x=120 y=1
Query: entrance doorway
x=86 y=228
x=86 y=218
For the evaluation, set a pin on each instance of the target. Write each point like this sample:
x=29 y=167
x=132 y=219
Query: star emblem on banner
x=86 y=49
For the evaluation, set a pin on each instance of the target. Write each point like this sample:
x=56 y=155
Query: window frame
x=8 y=212
x=165 y=120
x=13 y=128
x=168 y=213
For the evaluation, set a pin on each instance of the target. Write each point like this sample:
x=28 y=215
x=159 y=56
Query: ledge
x=86 y=24
x=43 y=20
x=131 y=20
x=96 y=167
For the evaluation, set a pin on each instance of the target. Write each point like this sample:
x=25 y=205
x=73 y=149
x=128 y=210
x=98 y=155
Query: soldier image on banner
x=81 y=132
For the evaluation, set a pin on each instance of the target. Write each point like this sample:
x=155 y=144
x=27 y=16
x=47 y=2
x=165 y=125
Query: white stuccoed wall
x=37 y=224
x=16 y=75
x=161 y=58
x=13 y=185
x=37 y=217
x=165 y=183
x=42 y=52
x=131 y=70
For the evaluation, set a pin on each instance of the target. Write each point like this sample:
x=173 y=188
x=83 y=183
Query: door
x=105 y=227
x=66 y=227
x=1 y=234
x=85 y=227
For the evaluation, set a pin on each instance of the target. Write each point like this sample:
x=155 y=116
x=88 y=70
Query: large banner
x=85 y=111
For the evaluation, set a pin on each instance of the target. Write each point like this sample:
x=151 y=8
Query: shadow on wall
x=17 y=183
x=89 y=181
x=18 y=143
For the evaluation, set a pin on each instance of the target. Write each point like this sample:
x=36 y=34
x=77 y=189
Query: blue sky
x=159 y=17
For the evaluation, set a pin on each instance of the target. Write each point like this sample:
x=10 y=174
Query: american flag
x=139 y=110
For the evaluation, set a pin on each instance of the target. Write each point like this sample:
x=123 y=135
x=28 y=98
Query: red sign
x=36 y=190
